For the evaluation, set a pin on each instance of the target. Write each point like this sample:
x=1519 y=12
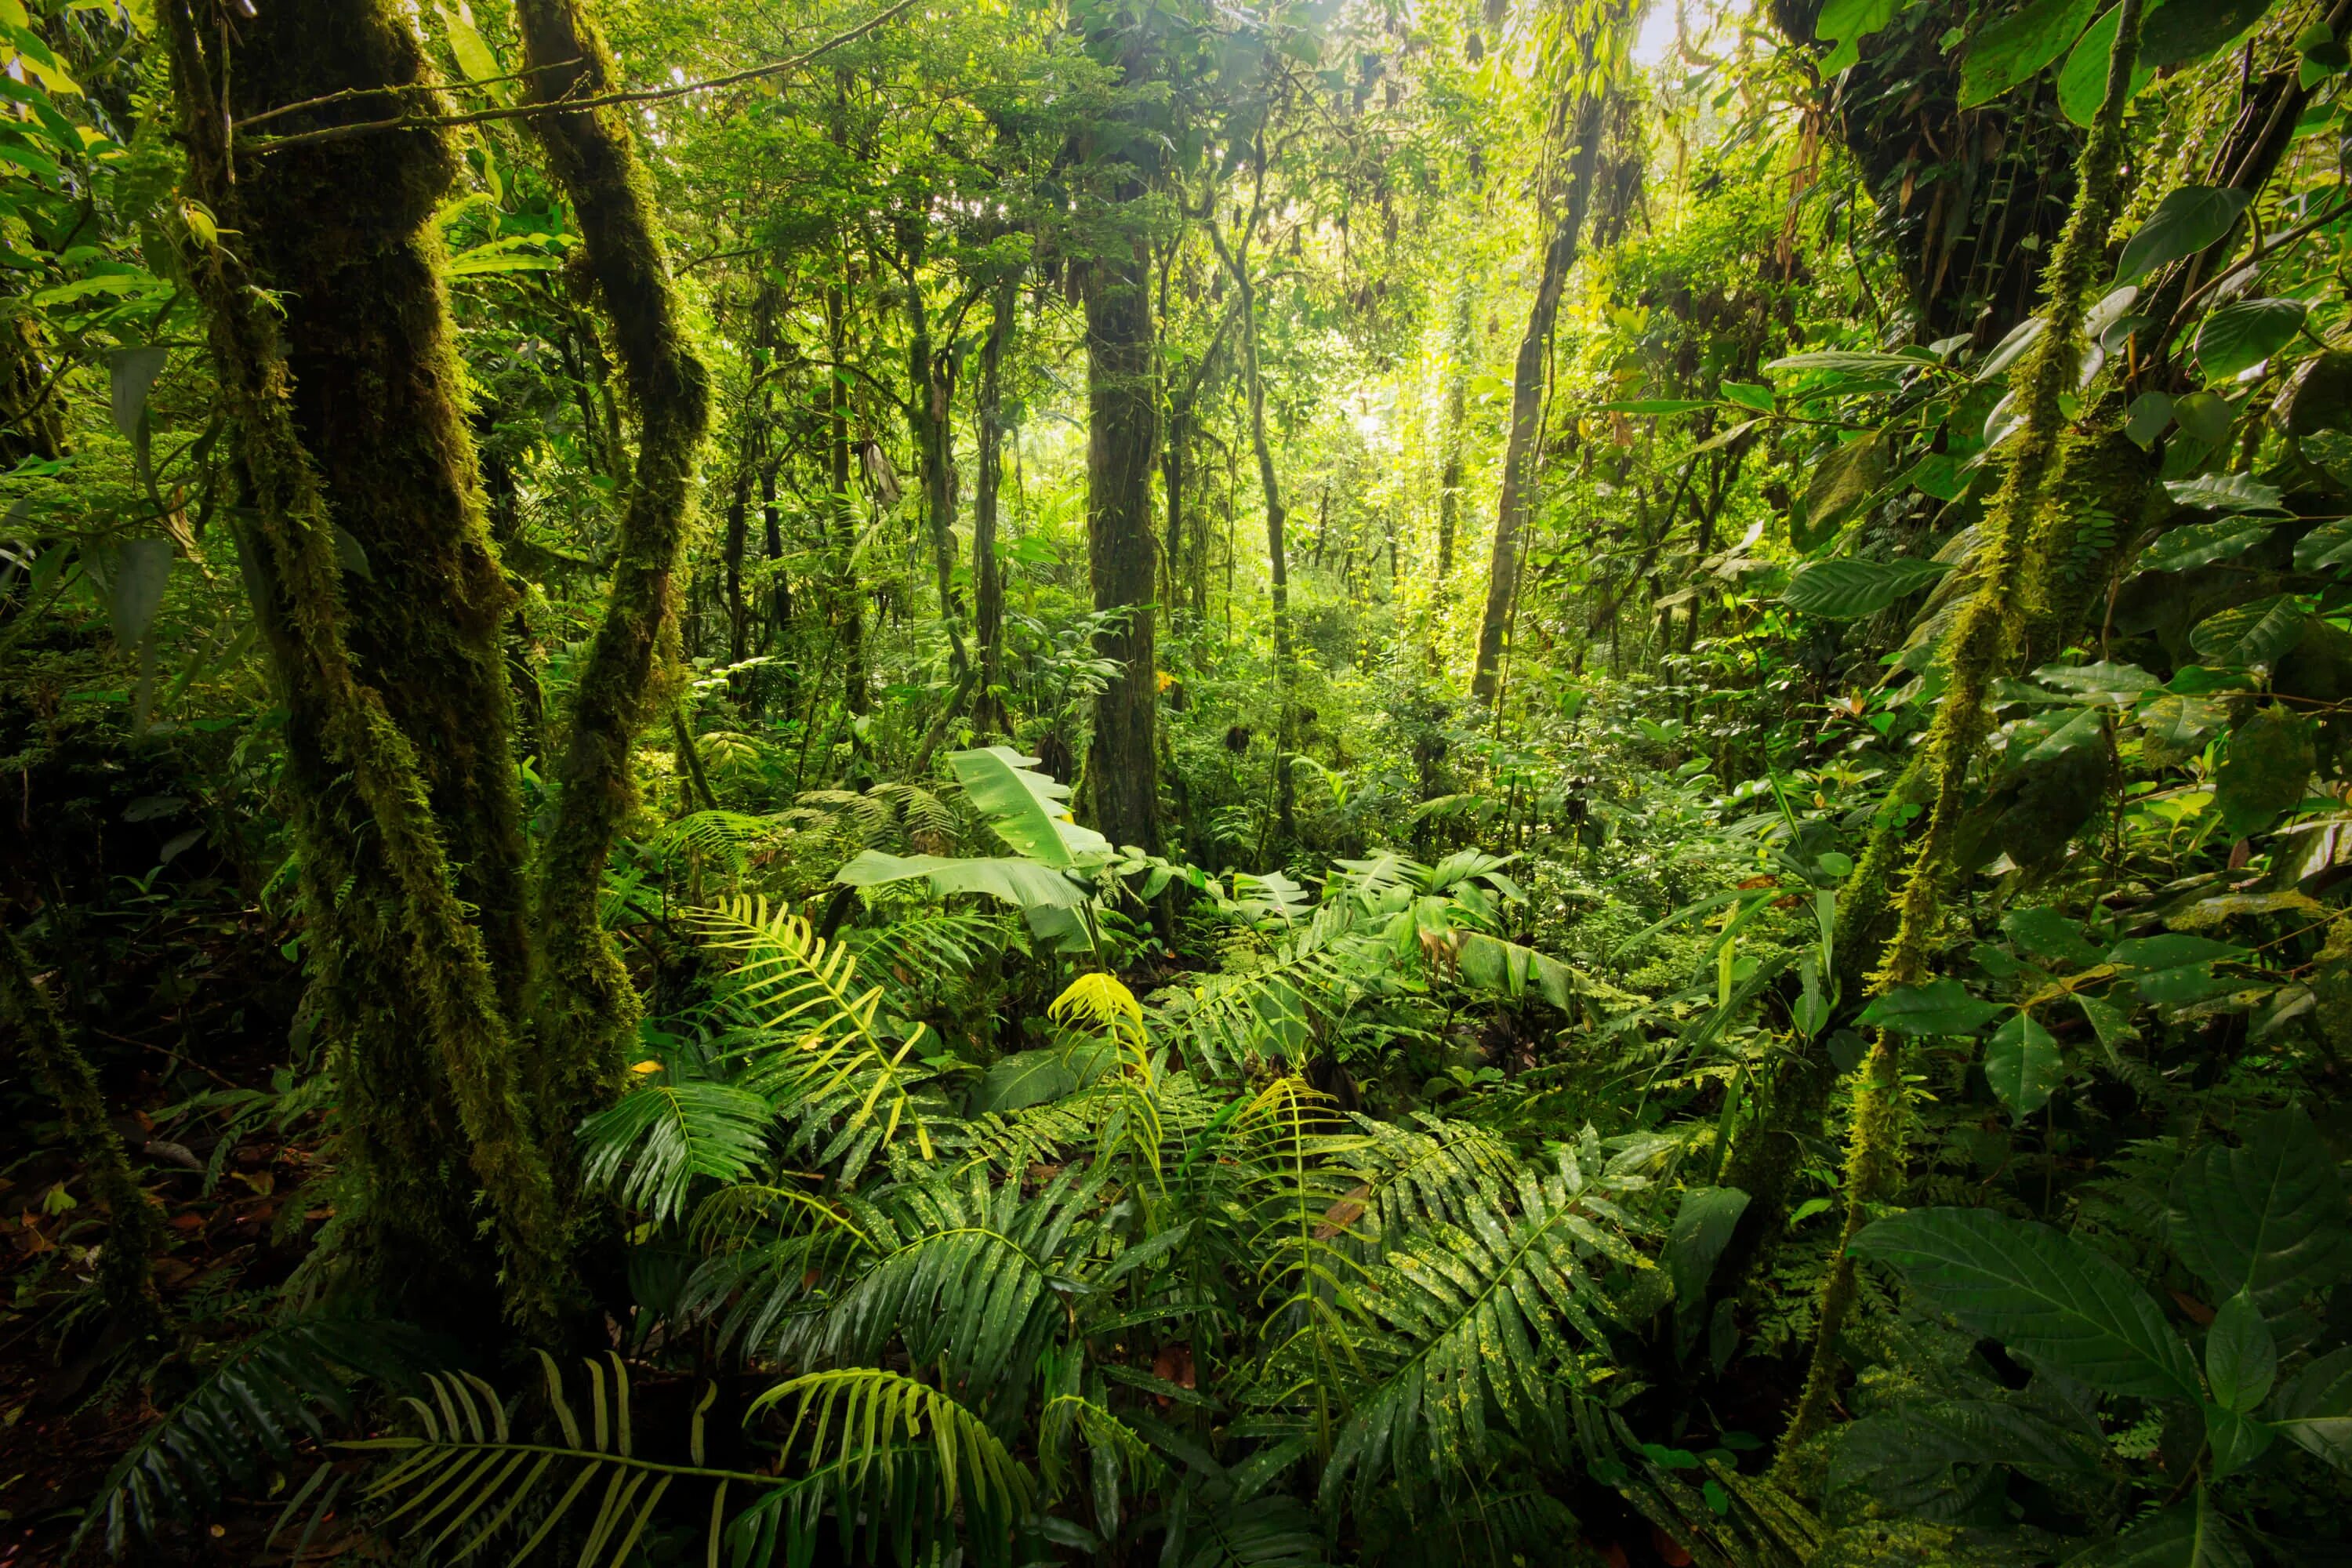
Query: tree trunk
x=401 y=781
x=1277 y=553
x=739 y=529
x=987 y=572
x=1520 y=456
x=1457 y=400
x=1122 y=405
x=848 y=605
x=930 y=401
x=588 y=1007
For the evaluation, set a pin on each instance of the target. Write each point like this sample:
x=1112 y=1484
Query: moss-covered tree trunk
x=588 y=1007
x=391 y=677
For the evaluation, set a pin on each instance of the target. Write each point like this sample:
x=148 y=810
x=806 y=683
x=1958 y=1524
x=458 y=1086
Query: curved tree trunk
x=588 y=1006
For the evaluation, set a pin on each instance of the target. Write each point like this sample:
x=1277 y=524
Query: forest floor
x=66 y=1415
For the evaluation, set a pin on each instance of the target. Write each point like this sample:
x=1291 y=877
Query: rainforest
x=978 y=784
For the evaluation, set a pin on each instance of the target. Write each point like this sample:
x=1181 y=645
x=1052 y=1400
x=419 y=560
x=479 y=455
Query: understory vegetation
x=1014 y=781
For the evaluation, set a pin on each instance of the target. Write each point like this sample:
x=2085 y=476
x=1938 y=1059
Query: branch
x=405 y=120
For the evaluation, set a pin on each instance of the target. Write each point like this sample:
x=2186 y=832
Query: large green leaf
x=2014 y=47
x=2266 y=1217
x=2184 y=222
x=2042 y=1293
x=2265 y=770
x=2319 y=395
x=2083 y=79
x=2250 y=633
x=2314 y=1408
x=2225 y=493
x=1028 y=810
x=2202 y=544
x=1702 y=1230
x=1024 y=884
x=1513 y=969
x=2241 y=1356
x=1843 y=590
x=2187 y=30
x=2023 y=1064
x=1846 y=23
x=2329 y=544
x=1938 y=1007
x=1841 y=482
x=2243 y=333
x=2189 y=1534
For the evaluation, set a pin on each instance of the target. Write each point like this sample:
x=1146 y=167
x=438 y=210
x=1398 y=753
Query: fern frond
x=272 y=1391
x=864 y=1424
x=726 y=838
x=650 y=1145
x=464 y=1477
x=1468 y=1319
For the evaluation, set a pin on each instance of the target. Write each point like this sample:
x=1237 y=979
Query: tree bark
x=1520 y=455
x=987 y=572
x=1122 y=405
x=930 y=400
x=841 y=500
x=588 y=1006
x=1457 y=401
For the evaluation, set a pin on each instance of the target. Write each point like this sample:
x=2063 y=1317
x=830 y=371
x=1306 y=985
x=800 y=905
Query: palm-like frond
x=1430 y=1172
x=1227 y=1022
x=650 y=1145
x=890 y=1449
x=462 y=1479
x=810 y=1040
x=968 y=1276
x=914 y=957
x=725 y=838
x=270 y=1393
x=1465 y=1327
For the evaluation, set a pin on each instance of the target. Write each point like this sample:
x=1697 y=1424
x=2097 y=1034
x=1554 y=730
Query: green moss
x=355 y=765
x=1983 y=642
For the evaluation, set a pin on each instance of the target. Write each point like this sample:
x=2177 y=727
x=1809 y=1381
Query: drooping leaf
x=2178 y=726
x=1938 y=1007
x=2249 y=634
x=2015 y=46
x=1844 y=589
x=2243 y=333
x=2204 y=415
x=2042 y=1293
x=650 y=1145
x=1702 y=1230
x=2201 y=545
x=1846 y=23
x=2043 y=930
x=2319 y=395
x=2266 y=1217
x=1028 y=810
x=2329 y=544
x=139 y=570
x=2225 y=493
x=1841 y=482
x=2184 y=222
x=2241 y=1356
x=131 y=374
x=2149 y=413
x=2083 y=79
x=1024 y=884
x=2023 y=1064
x=2188 y=30
x=2269 y=760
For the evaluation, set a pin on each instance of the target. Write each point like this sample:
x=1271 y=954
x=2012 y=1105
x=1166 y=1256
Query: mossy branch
x=1979 y=645
x=587 y=1005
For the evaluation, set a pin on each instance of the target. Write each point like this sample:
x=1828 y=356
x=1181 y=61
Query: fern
x=650 y=1145
x=464 y=1476
x=1467 y=1320
x=890 y=1449
x=273 y=1391
x=811 y=1039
